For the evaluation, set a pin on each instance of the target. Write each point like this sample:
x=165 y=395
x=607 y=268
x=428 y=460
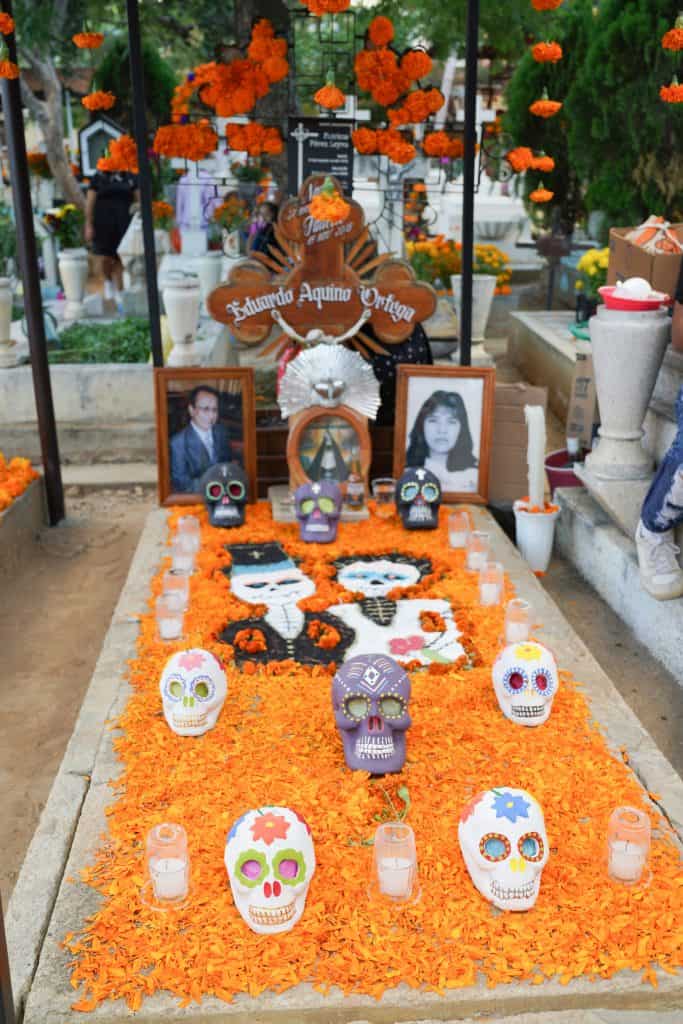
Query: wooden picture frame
x=302 y=423
x=233 y=433
x=460 y=458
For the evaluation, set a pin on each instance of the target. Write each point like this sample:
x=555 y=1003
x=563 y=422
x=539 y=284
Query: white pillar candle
x=476 y=560
x=395 y=876
x=170 y=628
x=516 y=632
x=535 y=453
x=458 y=538
x=626 y=860
x=169 y=878
x=489 y=593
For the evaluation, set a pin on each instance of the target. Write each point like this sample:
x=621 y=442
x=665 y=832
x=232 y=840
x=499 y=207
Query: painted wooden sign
x=322 y=282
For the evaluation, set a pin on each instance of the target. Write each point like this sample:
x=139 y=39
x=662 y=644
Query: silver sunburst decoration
x=328 y=377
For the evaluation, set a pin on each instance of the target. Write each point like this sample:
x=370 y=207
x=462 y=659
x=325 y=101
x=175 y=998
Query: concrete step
x=606 y=557
x=110 y=475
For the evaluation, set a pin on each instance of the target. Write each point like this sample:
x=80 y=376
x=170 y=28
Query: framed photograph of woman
x=205 y=415
x=444 y=421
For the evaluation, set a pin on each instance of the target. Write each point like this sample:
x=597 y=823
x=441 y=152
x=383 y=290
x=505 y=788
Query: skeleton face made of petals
x=225 y=487
x=318 y=508
x=370 y=697
x=505 y=846
x=270 y=861
x=418 y=497
x=377 y=578
x=525 y=679
x=274 y=588
x=193 y=690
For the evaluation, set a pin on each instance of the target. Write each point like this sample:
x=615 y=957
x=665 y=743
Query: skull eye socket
x=289 y=867
x=531 y=846
x=175 y=689
x=494 y=846
x=392 y=707
x=203 y=689
x=409 y=492
x=430 y=492
x=214 y=490
x=356 y=707
x=543 y=682
x=251 y=868
x=514 y=680
x=236 y=489
x=326 y=505
x=307 y=506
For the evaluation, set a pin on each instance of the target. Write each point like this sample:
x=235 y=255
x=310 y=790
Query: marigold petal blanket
x=275 y=743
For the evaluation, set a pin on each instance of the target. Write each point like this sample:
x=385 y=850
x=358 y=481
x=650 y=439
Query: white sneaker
x=108 y=289
x=660 y=573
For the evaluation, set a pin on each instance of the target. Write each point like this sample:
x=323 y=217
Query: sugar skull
x=265 y=574
x=370 y=697
x=505 y=846
x=525 y=679
x=318 y=507
x=377 y=577
x=270 y=861
x=193 y=690
x=418 y=496
x=225 y=487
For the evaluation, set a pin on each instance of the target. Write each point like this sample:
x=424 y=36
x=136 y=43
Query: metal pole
x=33 y=305
x=471 y=47
x=6 y=999
x=145 y=178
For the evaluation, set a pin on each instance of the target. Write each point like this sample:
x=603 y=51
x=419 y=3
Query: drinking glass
x=517 y=621
x=459 y=526
x=477 y=550
x=491 y=583
x=395 y=860
x=384 y=493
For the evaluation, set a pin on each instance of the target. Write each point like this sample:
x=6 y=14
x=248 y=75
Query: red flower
x=468 y=809
x=404 y=645
x=191 y=659
x=269 y=827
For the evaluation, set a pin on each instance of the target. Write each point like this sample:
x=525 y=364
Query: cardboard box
x=508 y=468
x=583 y=402
x=629 y=260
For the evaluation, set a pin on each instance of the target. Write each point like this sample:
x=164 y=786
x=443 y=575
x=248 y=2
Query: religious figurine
x=526 y=679
x=193 y=690
x=370 y=697
x=318 y=507
x=225 y=487
x=505 y=846
x=418 y=497
x=270 y=860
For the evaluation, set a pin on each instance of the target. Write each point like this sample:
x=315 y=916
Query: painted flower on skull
x=270 y=827
x=507 y=805
x=528 y=652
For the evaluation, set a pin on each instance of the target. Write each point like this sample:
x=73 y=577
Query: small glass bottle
x=355 y=488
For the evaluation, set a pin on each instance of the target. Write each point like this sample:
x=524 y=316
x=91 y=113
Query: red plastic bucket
x=558 y=474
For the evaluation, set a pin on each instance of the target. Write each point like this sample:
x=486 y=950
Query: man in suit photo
x=202 y=443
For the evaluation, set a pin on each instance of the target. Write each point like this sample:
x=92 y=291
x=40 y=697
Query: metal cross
x=301 y=136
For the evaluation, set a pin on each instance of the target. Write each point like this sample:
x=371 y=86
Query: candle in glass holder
x=477 y=550
x=189 y=527
x=395 y=859
x=459 y=526
x=491 y=582
x=384 y=493
x=176 y=587
x=169 y=616
x=517 y=621
x=628 y=844
x=168 y=861
x=182 y=553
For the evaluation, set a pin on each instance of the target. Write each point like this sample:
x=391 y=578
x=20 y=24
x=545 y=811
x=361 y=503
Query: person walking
x=107 y=216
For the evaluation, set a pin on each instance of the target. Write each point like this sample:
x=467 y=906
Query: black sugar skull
x=370 y=697
x=318 y=507
x=225 y=488
x=418 y=496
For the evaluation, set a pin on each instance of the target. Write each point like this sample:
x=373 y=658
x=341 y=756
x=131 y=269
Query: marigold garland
x=320 y=7
x=391 y=143
x=364 y=140
x=546 y=5
x=380 y=31
x=6 y=23
x=328 y=205
x=520 y=159
x=254 y=139
x=99 y=101
x=546 y=53
x=545 y=107
x=672 y=93
x=440 y=144
x=8 y=69
x=417 y=106
x=15 y=476
x=190 y=141
x=581 y=927
x=88 y=40
x=416 y=64
x=123 y=156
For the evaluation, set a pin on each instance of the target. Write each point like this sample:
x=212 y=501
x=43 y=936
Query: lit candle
x=169 y=877
x=535 y=454
x=394 y=876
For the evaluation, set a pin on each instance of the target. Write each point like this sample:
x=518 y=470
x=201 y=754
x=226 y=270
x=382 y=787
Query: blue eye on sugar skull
x=419 y=497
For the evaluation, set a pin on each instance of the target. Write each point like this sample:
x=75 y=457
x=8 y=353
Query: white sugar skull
x=377 y=577
x=193 y=690
x=505 y=846
x=270 y=861
x=525 y=679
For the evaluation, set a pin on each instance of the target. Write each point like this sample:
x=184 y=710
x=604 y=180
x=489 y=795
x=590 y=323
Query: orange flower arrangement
x=163 y=214
x=581 y=926
x=440 y=144
x=416 y=64
x=8 y=69
x=543 y=163
x=88 y=40
x=673 y=39
x=99 y=101
x=546 y=53
x=546 y=5
x=320 y=7
x=6 y=23
x=15 y=476
x=378 y=72
x=190 y=141
x=545 y=107
x=520 y=159
x=37 y=164
x=328 y=205
x=672 y=93
x=123 y=156
x=541 y=195
x=330 y=96
x=380 y=31
x=323 y=634
x=254 y=139
x=364 y=140
x=251 y=640
x=391 y=143
x=417 y=106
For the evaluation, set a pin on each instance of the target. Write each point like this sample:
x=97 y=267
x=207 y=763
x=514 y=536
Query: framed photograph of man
x=444 y=422
x=205 y=415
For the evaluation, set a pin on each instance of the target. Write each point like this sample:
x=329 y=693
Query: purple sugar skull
x=370 y=697
x=318 y=507
x=418 y=496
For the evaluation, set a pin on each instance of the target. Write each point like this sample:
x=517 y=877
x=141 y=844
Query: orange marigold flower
x=432 y=622
x=328 y=205
x=254 y=139
x=88 y=40
x=330 y=97
x=323 y=634
x=320 y=7
x=364 y=140
x=672 y=93
x=8 y=69
x=673 y=39
x=520 y=159
x=123 y=156
x=250 y=640
x=275 y=69
x=99 y=101
x=6 y=23
x=545 y=107
x=545 y=5
x=380 y=31
x=440 y=144
x=416 y=64
x=541 y=195
x=191 y=141
x=546 y=53
x=543 y=163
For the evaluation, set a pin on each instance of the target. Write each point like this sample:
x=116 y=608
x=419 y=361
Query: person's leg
x=662 y=510
x=107 y=271
x=117 y=275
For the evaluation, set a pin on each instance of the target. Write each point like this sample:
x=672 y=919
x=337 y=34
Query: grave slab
x=20 y=525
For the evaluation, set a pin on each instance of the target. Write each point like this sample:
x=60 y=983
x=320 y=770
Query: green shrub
x=122 y=341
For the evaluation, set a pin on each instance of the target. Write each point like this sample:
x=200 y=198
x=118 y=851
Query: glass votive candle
x=628 y=844
x=477 y=550
x=459 y=526
x=395 y=860
x=183 y=550
x=384 y=493
x=189 y=527
x=168 y=862
x=491 y=583
x=517 y=621
x=176 y=587
x=170 y=617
